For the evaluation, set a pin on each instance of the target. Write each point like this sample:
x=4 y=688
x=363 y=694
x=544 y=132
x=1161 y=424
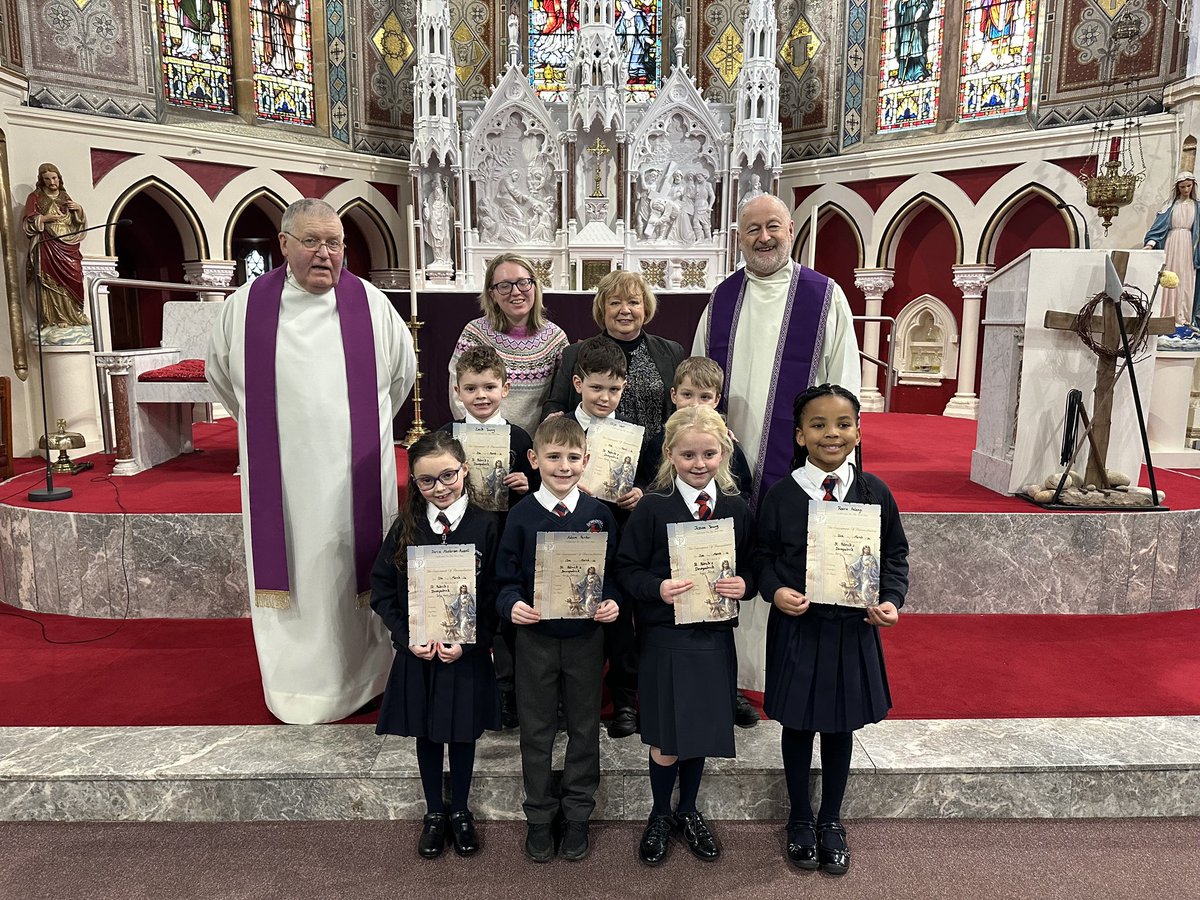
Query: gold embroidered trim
x=364 y=600
x=265 y=599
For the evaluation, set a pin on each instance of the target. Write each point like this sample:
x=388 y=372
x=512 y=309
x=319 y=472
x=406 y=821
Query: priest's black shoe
x=433 y=836
x=656 y=840
x=539 y=842
x=700 y=839
x=624 y=722
x=802 y=845
x=745 y=716
x=508 y=709
x=574 y=841
x=463 y=834
x=832 y=849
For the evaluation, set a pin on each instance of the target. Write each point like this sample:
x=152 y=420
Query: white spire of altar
x=758 y=136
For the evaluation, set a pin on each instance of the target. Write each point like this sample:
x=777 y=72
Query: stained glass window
x=282 y=53
x=196 y=65
x=997 y=57
x=910 y=67
x=554 y=31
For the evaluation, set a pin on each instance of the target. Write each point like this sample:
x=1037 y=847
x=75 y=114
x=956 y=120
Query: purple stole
x=796 y=356
x=267 y=541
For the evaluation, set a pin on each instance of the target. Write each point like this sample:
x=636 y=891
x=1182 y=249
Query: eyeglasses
x=449 y=477
x=504 y=288
x=333 y=245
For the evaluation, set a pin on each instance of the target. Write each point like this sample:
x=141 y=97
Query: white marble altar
x=1167 y=421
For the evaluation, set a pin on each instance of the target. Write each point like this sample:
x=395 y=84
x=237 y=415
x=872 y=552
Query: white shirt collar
x=585 y=420
x=454 y=512
x=497 y=419
x=809 y=477
x=690 y=494
x=549 y=501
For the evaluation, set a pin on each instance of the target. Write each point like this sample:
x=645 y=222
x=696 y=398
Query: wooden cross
x=598 y=150
x=1106 y=377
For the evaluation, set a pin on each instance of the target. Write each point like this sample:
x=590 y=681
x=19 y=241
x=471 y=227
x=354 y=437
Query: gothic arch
x=271 y=204
x=992 y=229
x=380 y=243
x=828 y=210
x=181 y=212
x=886 y=257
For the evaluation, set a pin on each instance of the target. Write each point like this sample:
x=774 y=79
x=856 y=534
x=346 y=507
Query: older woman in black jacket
x=624 y=304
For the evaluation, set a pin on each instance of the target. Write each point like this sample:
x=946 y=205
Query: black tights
x=462 y=765
x=836 y=749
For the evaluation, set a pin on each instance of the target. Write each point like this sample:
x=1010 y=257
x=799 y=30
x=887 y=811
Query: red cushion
x=184 y=370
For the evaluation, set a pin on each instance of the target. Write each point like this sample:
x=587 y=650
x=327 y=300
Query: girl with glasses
x=444 y=695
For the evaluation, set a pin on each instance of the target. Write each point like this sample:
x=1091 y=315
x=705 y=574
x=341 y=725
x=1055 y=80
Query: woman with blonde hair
x=514 y=323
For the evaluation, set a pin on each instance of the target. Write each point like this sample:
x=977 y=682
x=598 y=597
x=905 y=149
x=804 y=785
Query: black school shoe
x=801 y=848
x=656 y=840
x=624 y=722
x=745 y=715
x=508 y=709
x=433 y=836
x=463 y=835
x=539 y=842
x=832 y=849
x=574 y=841
x=700 y=839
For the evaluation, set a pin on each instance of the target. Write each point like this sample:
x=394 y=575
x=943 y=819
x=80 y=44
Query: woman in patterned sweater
x=514 y=322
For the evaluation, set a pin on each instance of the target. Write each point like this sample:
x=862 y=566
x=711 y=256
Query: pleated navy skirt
x=440 y=701
x=687 y=679
x=825 y=670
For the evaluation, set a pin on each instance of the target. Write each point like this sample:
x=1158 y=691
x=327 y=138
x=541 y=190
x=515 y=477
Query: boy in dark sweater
x=481 y=384
x=559 y=657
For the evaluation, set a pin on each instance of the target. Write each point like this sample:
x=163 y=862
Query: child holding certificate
x=443 y=694
x=825 y=668
x=687 y=673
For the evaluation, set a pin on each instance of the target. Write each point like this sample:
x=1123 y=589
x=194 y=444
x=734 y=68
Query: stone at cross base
x=1106 y=373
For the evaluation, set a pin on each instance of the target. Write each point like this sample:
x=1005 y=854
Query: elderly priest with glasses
x=313 y=362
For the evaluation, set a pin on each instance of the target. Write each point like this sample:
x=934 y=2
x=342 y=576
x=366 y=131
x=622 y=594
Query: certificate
x=441 y=594
x=613 y=448
x=488 y=462
x=568 y=574
x=843 y=553
x=702 y=552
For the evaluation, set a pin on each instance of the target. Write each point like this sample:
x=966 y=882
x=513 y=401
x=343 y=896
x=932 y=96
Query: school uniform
x=652 y=457
x=825 y=669
x=444 y=702
x=553 y=656
x=687 y=674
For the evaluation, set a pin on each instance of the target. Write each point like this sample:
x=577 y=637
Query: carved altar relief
x=927 y=336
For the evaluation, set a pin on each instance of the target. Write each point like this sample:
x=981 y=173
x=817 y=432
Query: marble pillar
x=210 y=273
x=972 y=281
x=116 y=367
x=96 y=267
x=874 y=283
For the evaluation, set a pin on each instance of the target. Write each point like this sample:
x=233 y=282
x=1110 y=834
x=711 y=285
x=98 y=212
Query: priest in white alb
x=313 y=362
x=776 y=328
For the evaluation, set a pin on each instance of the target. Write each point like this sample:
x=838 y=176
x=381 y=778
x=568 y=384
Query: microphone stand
x=49 y=493
x=1087 y=240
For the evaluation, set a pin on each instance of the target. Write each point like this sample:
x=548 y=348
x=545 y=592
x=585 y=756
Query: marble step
x=1003 y=768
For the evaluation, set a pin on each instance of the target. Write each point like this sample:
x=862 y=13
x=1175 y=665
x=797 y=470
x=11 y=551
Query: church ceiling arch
x=265 y=199
x=1009 y=207
x=886 y=257
x=182 y=214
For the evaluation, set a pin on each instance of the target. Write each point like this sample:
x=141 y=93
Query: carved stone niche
x=926 y=342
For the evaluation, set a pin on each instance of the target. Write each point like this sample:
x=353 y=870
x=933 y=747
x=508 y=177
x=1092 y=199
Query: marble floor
x=1003 y=768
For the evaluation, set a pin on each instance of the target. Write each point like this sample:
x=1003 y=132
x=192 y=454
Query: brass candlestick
x=417 y=430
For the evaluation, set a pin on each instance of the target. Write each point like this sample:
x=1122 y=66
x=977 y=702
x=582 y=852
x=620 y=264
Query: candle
x=412 y=264
x=1114 y=149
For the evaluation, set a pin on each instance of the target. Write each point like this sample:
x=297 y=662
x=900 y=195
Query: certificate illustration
x=703 y=552
x=613 y=448
x=487 y=452
x=843 y=553
x=441 y=594
x=568 y=574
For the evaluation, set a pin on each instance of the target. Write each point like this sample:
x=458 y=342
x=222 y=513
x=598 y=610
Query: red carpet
x=204 y=672
x=935 y=479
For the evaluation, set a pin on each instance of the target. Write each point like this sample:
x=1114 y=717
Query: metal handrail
x=889 y=369
x=97 y=338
